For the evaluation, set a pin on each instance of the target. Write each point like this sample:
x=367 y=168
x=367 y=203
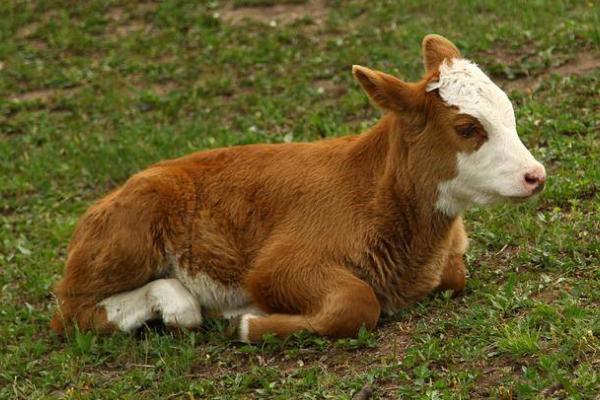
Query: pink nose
x=534 y=179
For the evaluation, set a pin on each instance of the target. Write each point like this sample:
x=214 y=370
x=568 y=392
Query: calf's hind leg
x=117 y=249
x=163 y=298
x=166 y=298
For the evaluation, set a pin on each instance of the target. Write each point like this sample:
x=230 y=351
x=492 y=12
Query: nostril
x=532 y=179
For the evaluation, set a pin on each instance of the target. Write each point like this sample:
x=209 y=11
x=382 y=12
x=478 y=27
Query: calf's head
x=461 y=133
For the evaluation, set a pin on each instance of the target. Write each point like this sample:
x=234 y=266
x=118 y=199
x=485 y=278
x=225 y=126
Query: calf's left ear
x=436 y=49
x=387 y=91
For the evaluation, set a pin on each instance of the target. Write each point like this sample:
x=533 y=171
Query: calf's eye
x=466 y=131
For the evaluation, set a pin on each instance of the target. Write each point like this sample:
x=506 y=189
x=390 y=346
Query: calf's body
x=312 y=236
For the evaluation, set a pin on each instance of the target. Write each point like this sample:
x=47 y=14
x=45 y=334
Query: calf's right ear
x=387 y=91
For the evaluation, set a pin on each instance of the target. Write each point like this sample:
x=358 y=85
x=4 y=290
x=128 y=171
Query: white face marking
x=496 y=170
x=166 y=298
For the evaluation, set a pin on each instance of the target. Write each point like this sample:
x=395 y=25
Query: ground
x=93 y=91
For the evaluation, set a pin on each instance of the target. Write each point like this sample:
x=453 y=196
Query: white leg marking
x=236 y=312
x=176 y=303
x=164 y=297
x=244 y=326
x=129 y=310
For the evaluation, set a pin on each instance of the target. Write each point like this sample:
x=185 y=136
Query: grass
x=91 y=92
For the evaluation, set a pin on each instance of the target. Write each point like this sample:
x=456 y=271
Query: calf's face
x=500 y=167
x=469 y=128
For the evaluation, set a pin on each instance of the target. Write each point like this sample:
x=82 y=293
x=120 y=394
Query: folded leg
x=325 y=299
x=163 y=298
x=454 y=274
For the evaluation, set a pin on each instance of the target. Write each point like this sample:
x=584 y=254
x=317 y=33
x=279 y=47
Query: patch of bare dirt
x=550 y=295
x=158 y=88
x=166 y=59
x=116 y=14
x=7 y=210
x=133 y=26
x=277 y=14
x=119 y=13
x=512 y=56
x=161 y=89
x=554 y=391
x=330 y=88
x=121 y=23
x=38 y=44
x=43 y=95
x=26 y=31
x=496 y=378
x=499 y=259
x=582 y=64
x=488 y=381
x=393 y=338
x=147 y=7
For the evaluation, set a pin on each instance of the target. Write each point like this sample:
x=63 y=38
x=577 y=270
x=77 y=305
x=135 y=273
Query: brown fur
x=322 y=236
x=436 y=49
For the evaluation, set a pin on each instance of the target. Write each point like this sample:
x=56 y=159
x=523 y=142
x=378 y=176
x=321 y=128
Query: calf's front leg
x=325 y=299
x=454 y=273
x=342 y=313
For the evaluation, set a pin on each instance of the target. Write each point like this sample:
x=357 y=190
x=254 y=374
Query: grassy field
x=91 y=92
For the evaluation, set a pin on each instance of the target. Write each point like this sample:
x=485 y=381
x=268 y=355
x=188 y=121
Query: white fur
x=212 y=294
x=244 y=327
x=166 y=298
x=178 y=301
x=236 y=312
x=496 y=170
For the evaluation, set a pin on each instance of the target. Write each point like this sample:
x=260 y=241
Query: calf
x=307 y=236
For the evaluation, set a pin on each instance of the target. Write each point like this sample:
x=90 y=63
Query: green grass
x=91 y=92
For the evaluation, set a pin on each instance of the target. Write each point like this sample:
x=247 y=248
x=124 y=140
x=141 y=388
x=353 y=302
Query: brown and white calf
x=307 y=236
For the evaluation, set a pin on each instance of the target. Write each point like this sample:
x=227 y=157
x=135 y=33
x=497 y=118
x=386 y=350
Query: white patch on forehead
x=462 y=84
